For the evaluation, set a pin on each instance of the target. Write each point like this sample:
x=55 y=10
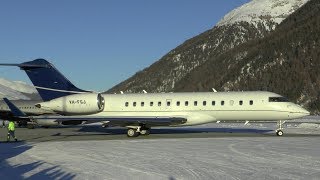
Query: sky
x=99 y=43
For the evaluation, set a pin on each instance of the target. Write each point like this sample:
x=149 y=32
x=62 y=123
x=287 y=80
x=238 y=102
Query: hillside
x=17 y=90
x=286 y=61
x=163 y=75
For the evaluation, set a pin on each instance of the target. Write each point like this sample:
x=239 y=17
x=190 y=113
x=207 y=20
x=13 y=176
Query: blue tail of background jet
x=48 y=81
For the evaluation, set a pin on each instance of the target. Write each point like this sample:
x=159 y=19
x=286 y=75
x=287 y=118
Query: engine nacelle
x=76 y=104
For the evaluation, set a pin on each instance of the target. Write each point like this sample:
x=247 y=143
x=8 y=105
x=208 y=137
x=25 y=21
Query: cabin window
x=278 y=99
x=168 y=103
x=159 y=103
x=127 y=104
x=222 y=103
x=231 y=102
x=213 y=103
x=142 y=104
x=134 y=104
x=186 y=103
x=195 y=103
x=151 y=103
x=241 y=103
x=178 y=103
x=251 y=102
x=204 y=103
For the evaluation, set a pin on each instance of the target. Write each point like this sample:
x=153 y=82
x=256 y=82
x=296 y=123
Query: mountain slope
x=232 y=31
x=287 y=61
x=262 y=11
x=17 y=90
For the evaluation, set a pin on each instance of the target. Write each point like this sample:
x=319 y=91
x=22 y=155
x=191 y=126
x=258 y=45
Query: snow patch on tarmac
x=202 y=158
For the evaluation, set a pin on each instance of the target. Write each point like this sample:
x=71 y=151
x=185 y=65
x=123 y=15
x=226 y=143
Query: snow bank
x=309 y=126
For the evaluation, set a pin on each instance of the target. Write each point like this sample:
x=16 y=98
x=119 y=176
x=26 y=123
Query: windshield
x=278 y=99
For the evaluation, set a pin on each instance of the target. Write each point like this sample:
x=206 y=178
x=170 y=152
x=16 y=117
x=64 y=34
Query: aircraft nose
x=305 y=112
x=302 y=111
x=298 y=111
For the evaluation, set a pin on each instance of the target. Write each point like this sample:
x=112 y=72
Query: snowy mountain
x=262 y=11
x=16 y=90
x=252 y=21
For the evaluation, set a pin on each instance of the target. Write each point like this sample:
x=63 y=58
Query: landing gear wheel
x=132 y=133
x=145 y=132
x=279 y=133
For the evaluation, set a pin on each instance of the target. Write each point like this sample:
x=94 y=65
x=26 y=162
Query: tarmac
x=96 y=132
x=210 y=151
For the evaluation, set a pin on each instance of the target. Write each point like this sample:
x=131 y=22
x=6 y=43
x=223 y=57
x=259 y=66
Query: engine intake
x=76 y=104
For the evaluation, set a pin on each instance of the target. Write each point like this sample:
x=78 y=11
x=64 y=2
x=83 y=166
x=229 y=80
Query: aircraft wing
x=119 y=120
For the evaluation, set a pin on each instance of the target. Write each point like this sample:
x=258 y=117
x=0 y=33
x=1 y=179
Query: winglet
x=14 y=109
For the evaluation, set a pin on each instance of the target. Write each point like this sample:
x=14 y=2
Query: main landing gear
x=135 y=131
x=279 y=130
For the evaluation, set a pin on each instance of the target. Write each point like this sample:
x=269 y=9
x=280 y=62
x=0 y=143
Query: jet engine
x=76 y=104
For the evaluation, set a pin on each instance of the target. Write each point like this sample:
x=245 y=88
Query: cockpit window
x=278 y=99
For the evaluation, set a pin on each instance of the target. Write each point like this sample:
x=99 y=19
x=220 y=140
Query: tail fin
x=48 y=81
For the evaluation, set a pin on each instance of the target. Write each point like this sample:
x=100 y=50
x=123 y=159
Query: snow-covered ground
x=208 y=158
x=260 y=157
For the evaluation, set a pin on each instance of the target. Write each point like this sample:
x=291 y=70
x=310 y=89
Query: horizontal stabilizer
x=25 y=66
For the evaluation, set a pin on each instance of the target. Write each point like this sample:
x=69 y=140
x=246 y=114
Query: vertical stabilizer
x=48 y=81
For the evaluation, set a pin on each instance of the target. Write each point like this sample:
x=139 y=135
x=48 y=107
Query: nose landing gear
x=279 y=130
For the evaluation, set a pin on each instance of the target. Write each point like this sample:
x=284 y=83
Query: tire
x=279 y=133
x=132 y=133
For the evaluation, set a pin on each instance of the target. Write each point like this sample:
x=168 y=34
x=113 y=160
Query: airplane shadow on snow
x=195 y=131
x=118 y=131
x=17 y=171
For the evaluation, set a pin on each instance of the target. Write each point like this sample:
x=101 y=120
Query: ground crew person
x=11 y=129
